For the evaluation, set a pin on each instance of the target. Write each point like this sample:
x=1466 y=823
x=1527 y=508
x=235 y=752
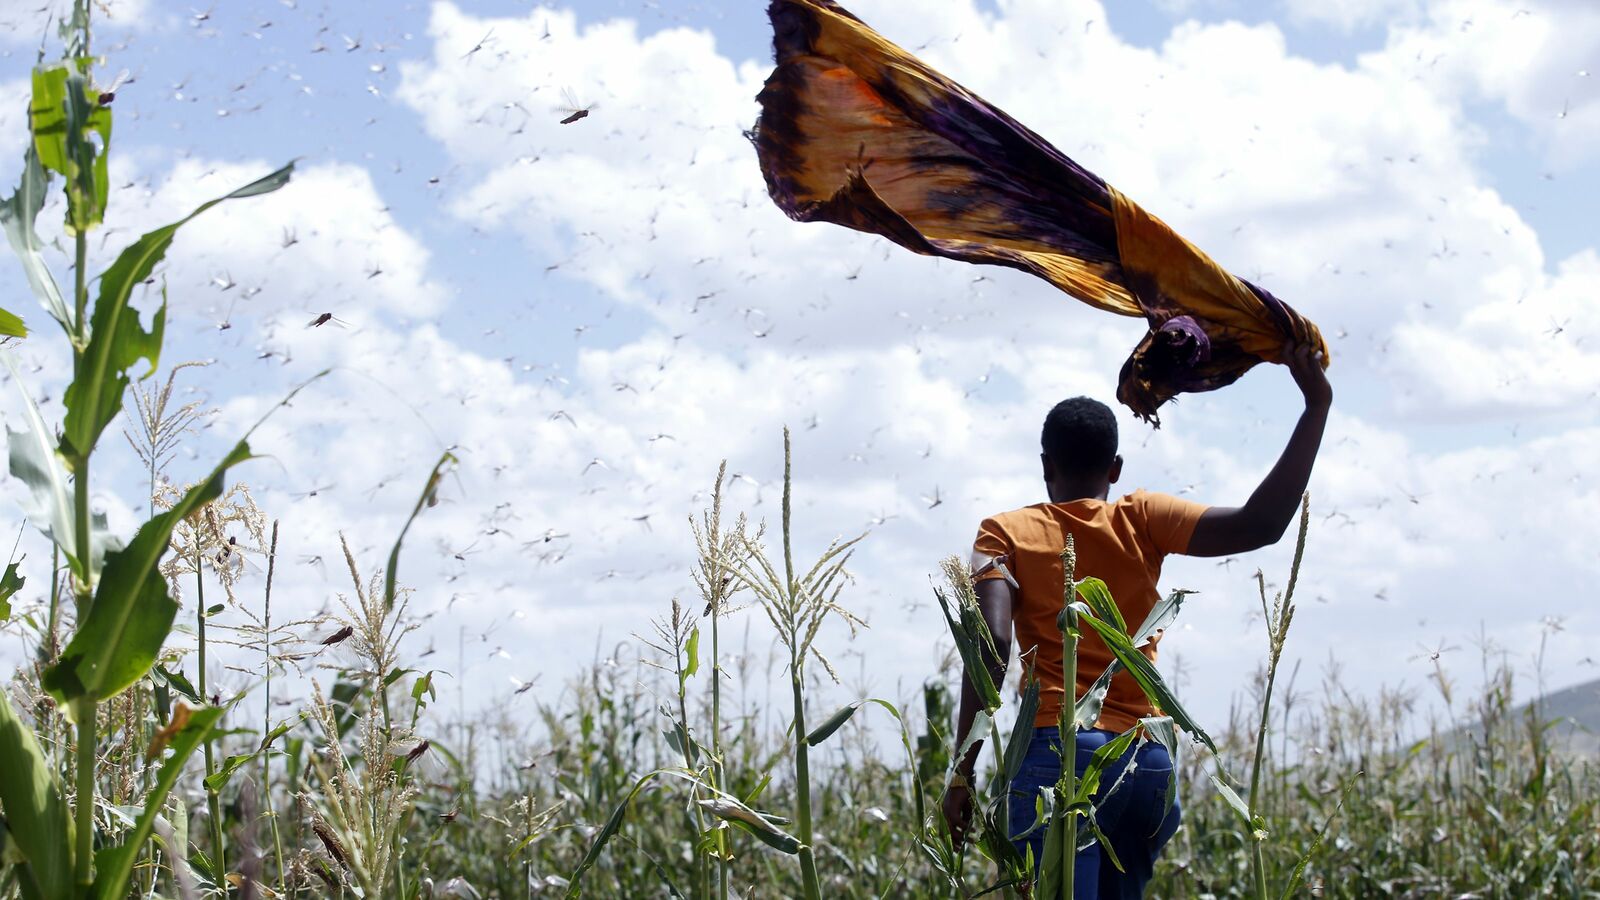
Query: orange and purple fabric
x=858 y=132
x=1123 y=543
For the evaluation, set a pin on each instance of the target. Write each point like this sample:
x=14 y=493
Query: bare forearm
x=971 y=703
x=1263 y=519
x=1273 y=504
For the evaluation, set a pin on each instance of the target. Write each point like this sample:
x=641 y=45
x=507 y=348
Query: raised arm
x=995 y=597
x=1263 y=518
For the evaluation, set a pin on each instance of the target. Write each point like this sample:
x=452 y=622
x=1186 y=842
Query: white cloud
x=1524 y=55
x=13 y=125
x=1352 y=14
x=1521 y=351
x=344 y=252
x=1355 y=190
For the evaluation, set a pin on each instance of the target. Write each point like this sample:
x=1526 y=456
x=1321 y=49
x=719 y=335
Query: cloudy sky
x=595 y=314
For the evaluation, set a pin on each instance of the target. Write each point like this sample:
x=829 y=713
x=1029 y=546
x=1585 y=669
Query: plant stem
x=716 y=743
x=802 y=781
x=702 y=872
x=266 y=716
x=213 y=805
x=80 y=291
x=1258 y=863
x=802 y=763
x=49 y=650
x=50 y=647
x=716 y=587
x=1067 y=721
x=1002 y=812
x=85 y=710
x=1278 y=618
x=1069 y=747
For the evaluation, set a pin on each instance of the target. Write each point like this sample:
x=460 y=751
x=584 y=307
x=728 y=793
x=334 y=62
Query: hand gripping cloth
x=858 y=132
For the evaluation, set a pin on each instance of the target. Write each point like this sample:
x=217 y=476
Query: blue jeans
x=1134 y=818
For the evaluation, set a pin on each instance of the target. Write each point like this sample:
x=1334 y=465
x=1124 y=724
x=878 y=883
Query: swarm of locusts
x=667 y=768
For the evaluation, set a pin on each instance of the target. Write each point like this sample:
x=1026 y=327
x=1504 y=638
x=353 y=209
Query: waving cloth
x=858 y=132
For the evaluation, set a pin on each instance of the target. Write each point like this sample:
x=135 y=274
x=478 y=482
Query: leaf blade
x=1097 y=595
x=10 y=583
x=39 y=822
x=18 y=215
x=430 y=496
x=1145 y=674
x=120 y=638
x=118 y=340
x=115 y=864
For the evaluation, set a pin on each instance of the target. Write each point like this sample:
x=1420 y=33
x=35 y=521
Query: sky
x=594 y=315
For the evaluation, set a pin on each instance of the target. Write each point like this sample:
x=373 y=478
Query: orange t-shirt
x=1122 y=543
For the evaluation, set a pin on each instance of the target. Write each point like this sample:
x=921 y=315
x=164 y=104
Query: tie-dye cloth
x=858 y=132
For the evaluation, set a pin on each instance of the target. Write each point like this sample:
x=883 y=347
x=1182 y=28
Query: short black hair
x=1080 y=436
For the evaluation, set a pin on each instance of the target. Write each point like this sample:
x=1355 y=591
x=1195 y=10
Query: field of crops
x=693 y=761
x=664 y=771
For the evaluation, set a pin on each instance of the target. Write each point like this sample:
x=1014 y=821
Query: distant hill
x=1578 y=709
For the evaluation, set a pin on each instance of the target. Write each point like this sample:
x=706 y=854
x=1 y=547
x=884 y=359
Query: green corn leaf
x=731 y=810
x=1093 y=834
x=970 y=633
x=994 y=840
x=1098 y=598
x=1104 y=755
x=74 y=31
x=114 y=865
x=1021 y=736
x=118 y=340
x=692 y=662
x=1234 y=801
x=681 y=743
x=219 y=779
x=1161 y=615
x=177 y=681
x=36 y=815
x=343 y=698
x=605 y=834
x=1049 y=863
x=1144 y=672
x=842 y=715
x=11 y=325
x=1044 y=810
x=120 y=638
x=430 y=496
x=980 y=727
x=18 y=214
x=423 y=687
x=833 y=723
x=66 y=116
x=1162 y=730
x=1086 y=712
x=37 y=463
x=10 y=583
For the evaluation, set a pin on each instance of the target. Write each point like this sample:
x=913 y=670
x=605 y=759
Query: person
x=1019 y=586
